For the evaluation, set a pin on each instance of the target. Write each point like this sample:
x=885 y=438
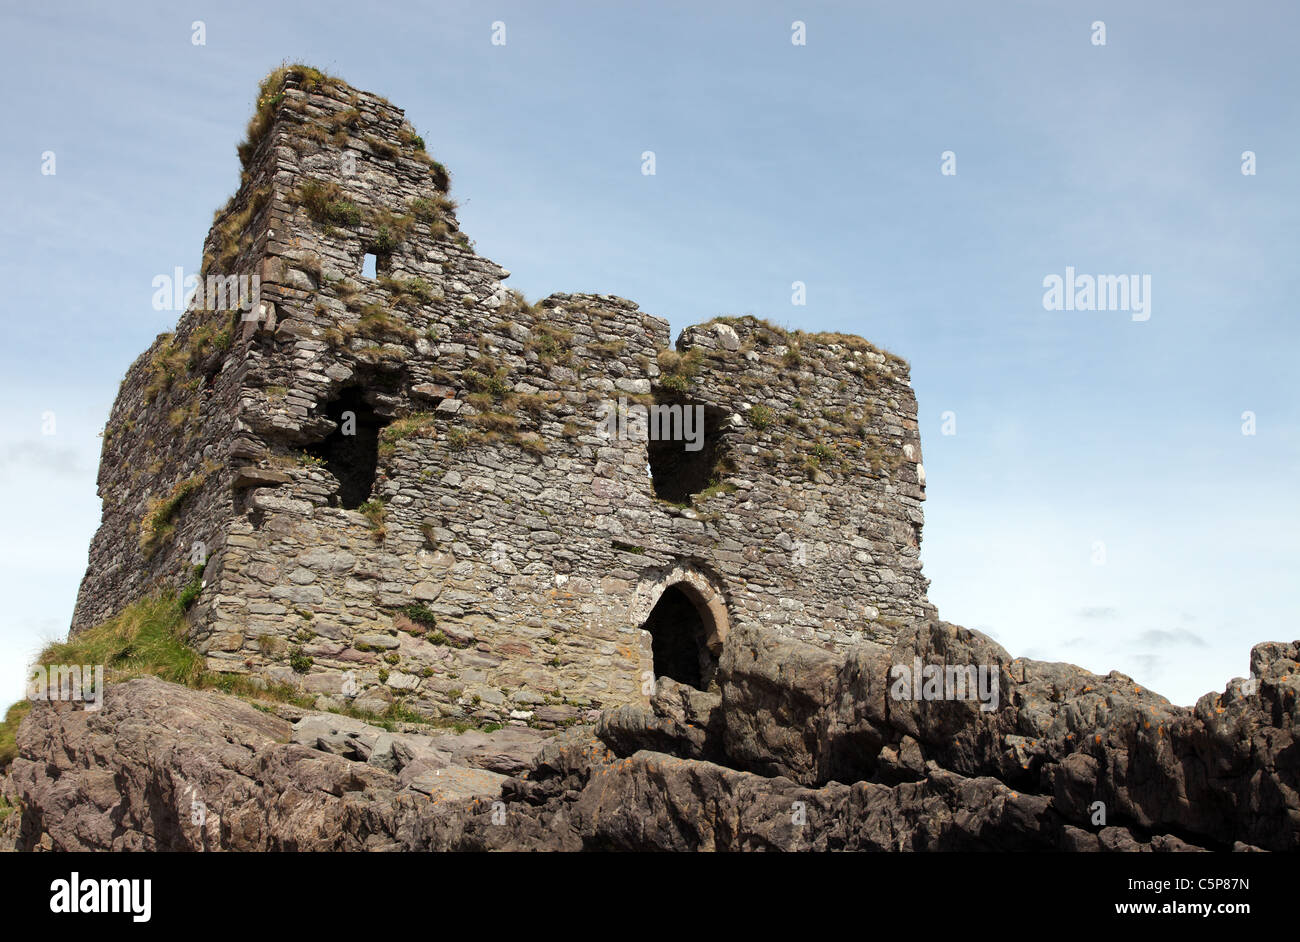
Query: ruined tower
x=415 y=488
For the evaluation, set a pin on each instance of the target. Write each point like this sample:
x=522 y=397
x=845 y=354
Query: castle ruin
x=412 y=487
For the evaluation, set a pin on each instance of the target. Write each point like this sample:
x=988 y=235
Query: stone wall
x=488 y=545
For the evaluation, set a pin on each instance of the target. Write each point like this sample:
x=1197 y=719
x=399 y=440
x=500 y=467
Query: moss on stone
x=270 y=95
x=158 y=523
x=377 y=323
x=550 y=344
x=326 y=205
x=768 y=334
x=416 y=425
x=375 y=512
x=408 y=292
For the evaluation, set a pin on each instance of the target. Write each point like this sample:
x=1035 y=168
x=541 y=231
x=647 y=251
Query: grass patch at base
x=8 y=729
x=147 y=638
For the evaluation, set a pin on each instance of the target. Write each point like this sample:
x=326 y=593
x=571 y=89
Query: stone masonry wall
x=510 y=548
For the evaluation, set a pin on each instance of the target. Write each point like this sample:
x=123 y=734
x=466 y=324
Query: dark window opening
x=377 y=261
x=351 y=452
x=679 y=640
x=686 y=455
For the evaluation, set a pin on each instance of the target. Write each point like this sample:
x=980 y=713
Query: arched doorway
x=686 y=635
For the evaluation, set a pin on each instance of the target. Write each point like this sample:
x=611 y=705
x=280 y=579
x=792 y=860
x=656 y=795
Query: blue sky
x=775 y=163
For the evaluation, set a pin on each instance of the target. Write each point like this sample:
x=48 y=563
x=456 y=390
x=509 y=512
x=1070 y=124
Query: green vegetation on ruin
x=391 y=230
x=374 y=511
x=608 y=348
x=298 y=661
x=551 y=344
x=768 y=334
x=714 y=488
x=416 y=425
x=488 y=378
x=408 y=292
x=420 y=613
x=377 y=323
x=433 y=211
x=270 y=94
x=760 y=417
x=159 y=521
x=190 y=593
x=231 y=231
x=326 y=205
x=337 y=128
x=678 y=370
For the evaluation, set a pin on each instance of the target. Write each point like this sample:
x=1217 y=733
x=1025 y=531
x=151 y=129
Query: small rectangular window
x=369 y=266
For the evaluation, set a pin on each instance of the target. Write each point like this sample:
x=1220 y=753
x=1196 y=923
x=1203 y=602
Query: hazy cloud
x=1179 y=636
x=31 y=455
x=1099 y=613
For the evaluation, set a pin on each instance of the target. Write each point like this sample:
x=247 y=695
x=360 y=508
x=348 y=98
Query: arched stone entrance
x=684 y=613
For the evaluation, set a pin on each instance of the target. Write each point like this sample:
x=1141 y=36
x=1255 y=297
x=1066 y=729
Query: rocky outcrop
x=797 y=749
x=163 y=767
x=1226 y=771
